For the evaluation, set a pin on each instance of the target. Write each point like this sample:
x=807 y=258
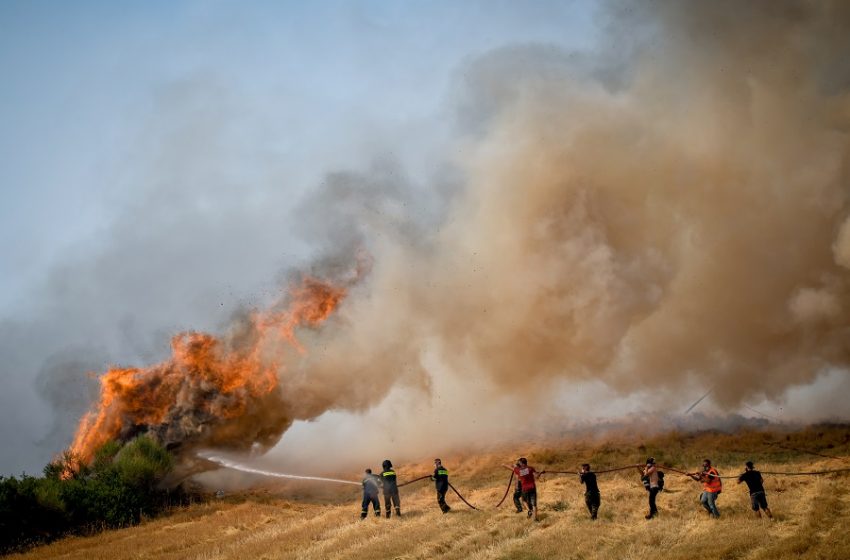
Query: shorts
x=759 y=499
x=530 y=497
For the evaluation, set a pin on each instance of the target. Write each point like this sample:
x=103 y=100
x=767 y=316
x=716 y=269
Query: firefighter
x=711 y=486
x=441 y=482
x=390 y=485
x=371 y=488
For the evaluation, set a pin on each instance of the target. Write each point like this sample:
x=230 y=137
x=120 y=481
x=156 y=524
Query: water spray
x=244 y=468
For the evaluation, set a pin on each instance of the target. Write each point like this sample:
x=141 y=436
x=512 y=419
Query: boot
x=378 y=513
x=388 y=514
x=362 y=515
x=397 y=512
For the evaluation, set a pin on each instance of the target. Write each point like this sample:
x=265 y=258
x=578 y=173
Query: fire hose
x=673 y=469
x=414 y=480
x=595 y=472
x=774 y=473
x=507 y=490
x=450 y=486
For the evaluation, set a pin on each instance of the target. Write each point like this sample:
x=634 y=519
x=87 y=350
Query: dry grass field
x=812 y=514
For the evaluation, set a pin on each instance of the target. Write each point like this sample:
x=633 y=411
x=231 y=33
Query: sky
x=163 y=136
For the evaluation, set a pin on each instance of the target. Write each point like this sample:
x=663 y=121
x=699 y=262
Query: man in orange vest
x=711 y=486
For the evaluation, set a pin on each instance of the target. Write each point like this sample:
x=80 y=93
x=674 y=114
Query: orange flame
x=209 y=383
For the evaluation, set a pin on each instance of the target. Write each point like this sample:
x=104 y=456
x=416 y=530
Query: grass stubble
x=812 y=514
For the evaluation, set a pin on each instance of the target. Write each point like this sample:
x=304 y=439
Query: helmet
x=387 y=464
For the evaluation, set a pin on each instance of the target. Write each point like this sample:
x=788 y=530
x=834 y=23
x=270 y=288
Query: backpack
x=645 y=480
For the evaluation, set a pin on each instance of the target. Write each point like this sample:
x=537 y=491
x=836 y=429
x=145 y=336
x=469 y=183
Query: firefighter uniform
x=441 y=482
x=371 y=487
x=390 y=484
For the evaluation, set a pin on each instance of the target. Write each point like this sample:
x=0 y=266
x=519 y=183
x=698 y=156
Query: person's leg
x=387 y=504
x=703 y=498
x=653 y=510
x=441 y=500
x=517 y=499
x=754 y=502
x=532 y=500
x=364 y=507
x=396 y=502
x=714 y=496
x=588 y=501
x=708 y=500
x=597 y=499
x=376 y=505
x=763 y=504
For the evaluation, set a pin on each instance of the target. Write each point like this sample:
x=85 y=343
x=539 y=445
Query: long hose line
x=414 y=480
x=507 y=490
x=450 y=486
x=461 y=497
x=775 y=473
x=595 y=472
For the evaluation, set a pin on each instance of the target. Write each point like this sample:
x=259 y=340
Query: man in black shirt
x=390 y=486
x=441 y=482
x=756 y=485
x=592 y=497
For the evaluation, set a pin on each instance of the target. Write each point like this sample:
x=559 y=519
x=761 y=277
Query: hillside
x=812 y=513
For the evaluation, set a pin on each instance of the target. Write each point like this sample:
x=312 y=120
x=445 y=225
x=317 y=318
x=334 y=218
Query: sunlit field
x=812 y=513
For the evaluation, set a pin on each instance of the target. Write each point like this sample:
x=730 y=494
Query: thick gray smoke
x=670 y=216
x=665 y=215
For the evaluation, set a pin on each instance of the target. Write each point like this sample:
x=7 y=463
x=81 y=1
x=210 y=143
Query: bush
x=117 y=489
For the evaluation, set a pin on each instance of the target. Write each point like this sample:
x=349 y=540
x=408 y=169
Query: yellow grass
x=812 y=513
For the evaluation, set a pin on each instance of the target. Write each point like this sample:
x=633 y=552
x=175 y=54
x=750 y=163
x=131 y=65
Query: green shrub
x=117 y=489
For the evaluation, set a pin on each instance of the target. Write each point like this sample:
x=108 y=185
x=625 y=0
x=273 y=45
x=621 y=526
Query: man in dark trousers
x=371 y=488
x=518 y=491
x=441 y=481
x=650 y=474
x=592 y=498
x=390 y=486
x=755 y=483
x=527 y=477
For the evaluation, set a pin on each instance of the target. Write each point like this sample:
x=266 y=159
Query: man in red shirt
x=526 y=476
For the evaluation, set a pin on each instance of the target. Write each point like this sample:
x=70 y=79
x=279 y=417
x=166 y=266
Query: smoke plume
x=669 y=212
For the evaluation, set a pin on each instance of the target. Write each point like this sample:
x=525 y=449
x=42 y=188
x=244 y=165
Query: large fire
x=213 y=391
